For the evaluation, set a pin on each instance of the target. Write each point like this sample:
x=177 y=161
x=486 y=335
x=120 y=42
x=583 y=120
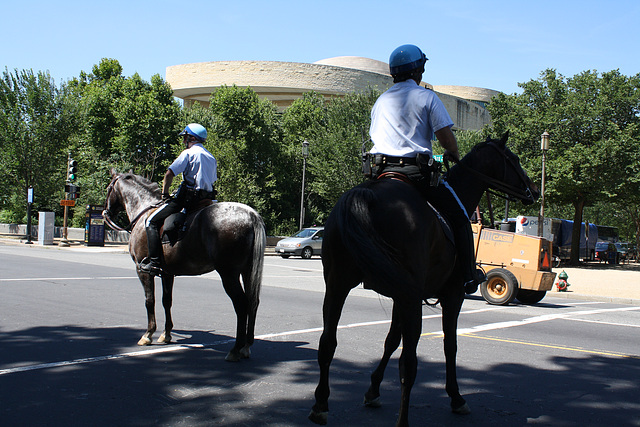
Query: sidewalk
x=602 y=282
x=618 y=284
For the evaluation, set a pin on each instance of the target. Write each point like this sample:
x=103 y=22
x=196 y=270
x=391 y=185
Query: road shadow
x=194 y=386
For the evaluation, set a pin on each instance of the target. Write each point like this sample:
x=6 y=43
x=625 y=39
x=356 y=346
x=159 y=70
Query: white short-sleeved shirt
x=404 y=120
x=198 y=167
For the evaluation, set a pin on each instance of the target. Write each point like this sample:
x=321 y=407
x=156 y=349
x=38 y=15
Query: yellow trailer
x=517 y=265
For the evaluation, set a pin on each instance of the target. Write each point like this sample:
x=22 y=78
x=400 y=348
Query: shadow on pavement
x=196 y=387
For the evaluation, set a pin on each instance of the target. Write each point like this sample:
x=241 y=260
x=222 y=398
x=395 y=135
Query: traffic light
x=73 y=170
x=73 y=190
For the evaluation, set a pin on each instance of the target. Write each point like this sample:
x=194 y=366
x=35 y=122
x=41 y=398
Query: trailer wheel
x=527 y=296
x=500 y=288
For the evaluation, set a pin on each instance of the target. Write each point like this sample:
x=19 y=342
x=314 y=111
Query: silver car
x=305 y=243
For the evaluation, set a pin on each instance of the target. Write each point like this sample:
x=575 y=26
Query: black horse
x=227 y=237
x=383 y=234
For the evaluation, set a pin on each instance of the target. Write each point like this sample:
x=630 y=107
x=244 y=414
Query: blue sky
x=484 y=43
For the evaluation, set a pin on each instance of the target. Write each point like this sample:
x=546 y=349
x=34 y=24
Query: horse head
x=113 y=202
x=499 y=168
x=131 y=193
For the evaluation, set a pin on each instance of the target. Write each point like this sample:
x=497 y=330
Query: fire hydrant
x=562 y=282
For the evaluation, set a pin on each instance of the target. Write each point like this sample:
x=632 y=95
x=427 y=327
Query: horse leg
x=334 y=300
x=252 y=290
x=233 y=288
x=150 y=304
x=451 y=306
x=411 y=326
x=391 y=343
x=167 y=301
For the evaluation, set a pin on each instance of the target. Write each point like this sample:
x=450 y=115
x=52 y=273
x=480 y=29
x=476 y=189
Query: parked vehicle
x=560 y=233
x=518 y=266
x=623 y=251
x=607 y=252
x=305 y=243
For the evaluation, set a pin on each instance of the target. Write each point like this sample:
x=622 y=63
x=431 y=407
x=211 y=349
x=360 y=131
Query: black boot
x=153 y=263
x=473 y=276
x=473 y=280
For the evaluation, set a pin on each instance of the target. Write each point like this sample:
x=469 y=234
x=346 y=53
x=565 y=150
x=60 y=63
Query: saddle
x=176 y=225
x=446 y=227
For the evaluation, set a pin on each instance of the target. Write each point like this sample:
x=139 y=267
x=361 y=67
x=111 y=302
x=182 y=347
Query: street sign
x=67 y=202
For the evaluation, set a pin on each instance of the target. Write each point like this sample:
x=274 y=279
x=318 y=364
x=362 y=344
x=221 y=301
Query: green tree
x=245 y=138
x=123 y=122
x=335 y=129
x=33 y=141
x=593 y=123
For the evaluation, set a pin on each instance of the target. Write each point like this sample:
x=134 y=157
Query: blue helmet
x=406 y=58
x=196 y=130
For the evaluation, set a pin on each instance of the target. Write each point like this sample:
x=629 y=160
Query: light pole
x=544 y=146
x=305 y=154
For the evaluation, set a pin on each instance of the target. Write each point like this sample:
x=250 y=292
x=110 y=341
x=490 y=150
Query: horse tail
x=380 y=262
x=254 y=281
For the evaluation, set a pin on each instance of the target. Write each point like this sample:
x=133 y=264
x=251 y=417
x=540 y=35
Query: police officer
x=199 y=171
x=404 y=120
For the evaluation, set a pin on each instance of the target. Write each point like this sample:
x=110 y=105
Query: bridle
x=107 y=215
x=512 y=192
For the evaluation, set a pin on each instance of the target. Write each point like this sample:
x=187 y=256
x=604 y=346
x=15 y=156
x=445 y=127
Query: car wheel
x=307 y=253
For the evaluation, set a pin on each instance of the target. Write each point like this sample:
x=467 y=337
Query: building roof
x=284 y=82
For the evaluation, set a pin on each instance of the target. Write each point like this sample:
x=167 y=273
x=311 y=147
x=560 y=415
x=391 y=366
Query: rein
x=107 y=215
x=510 y=190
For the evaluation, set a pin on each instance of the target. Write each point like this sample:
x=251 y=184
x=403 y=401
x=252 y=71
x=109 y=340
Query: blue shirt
x=198 y=167
x=404 y=120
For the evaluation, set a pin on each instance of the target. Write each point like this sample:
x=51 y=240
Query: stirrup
x=471 y=286
x=149 y=267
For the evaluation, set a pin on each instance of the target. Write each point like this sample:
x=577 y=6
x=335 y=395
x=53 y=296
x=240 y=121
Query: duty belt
x=381 y=159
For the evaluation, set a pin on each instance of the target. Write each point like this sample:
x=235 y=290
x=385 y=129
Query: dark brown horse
x=227 y=237
x=383 y=234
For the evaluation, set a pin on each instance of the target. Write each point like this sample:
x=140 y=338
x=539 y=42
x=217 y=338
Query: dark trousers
x=153 y=224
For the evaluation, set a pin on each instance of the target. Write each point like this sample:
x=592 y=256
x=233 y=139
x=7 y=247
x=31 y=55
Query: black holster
x=187 y=196
x=430 y=169
x=366 y=165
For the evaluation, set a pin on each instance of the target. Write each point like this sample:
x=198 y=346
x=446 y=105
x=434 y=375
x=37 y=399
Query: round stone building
x=284 y=82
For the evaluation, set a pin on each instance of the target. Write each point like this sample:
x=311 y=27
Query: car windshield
x=307 y=232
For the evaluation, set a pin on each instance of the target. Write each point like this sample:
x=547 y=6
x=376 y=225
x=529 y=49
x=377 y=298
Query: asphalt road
x=70 y=320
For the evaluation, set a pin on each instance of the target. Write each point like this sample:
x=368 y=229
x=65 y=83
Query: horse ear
x=113 y=172
x=131 y=171
x=503 y=140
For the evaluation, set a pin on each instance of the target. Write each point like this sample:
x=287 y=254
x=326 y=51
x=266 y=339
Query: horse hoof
x=319 y=417
x=144 y=341
x=372 y=403
x=232 y=357
x=245 y=353
x=164 y=339
x=236 y=355
x=462 y=410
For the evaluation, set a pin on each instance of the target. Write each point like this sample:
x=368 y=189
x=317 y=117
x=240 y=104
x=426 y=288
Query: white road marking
x=172 y=348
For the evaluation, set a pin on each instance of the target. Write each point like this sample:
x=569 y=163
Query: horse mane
x=152 y=187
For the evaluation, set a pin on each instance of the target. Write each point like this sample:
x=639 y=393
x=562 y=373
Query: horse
x=383 y=233
x=228 y=237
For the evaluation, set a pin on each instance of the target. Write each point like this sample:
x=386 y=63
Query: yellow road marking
x=557 y=347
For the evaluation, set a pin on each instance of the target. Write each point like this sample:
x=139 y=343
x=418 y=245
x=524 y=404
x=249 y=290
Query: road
x=70 y=320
